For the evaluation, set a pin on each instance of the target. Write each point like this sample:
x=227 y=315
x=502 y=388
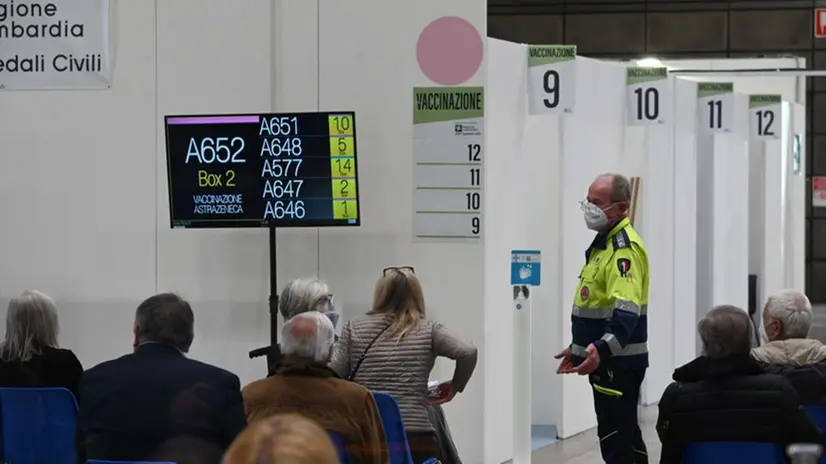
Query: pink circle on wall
x=449 y=50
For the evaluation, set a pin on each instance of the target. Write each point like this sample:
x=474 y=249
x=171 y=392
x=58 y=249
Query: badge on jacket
x=624 y=266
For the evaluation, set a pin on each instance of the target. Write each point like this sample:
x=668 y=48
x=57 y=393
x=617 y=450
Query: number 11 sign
x=551 y=79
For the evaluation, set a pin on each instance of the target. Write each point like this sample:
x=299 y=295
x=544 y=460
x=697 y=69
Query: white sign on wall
x=551 y=79
x=819 y=192
x=765 y=116
x=54 y=45
x=648 y=101
x=716 y=106
x=448 y=163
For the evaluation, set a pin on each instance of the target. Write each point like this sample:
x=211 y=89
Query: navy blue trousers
x=616 y=396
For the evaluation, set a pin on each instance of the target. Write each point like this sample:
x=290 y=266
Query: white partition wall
x=792 y=89
x=506 y=107
x=797 y=198
x=649 y=154
x=723 y=205
x=771 y=161
x=664 y=156
x=685 y=221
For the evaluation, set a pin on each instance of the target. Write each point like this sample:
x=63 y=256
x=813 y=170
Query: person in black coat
x=29 y=355
x=156 y=404
x=725 y=395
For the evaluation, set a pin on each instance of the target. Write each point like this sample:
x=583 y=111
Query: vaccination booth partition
x=689 y=143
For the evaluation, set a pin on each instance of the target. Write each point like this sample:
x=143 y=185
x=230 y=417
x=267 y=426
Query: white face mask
x=595 y=217
x=328 y=308
x=764 y=337
x=334 y=316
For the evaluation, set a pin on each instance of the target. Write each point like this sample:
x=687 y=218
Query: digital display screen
x=262 y=170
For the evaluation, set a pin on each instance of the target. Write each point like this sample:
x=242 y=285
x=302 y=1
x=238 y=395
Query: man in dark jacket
x=156 y=404
x=785 y=348
x=725 y=396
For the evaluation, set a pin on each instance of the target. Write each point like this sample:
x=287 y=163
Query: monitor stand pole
x=273 y=352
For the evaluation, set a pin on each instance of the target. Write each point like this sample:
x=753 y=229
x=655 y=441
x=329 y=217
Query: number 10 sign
x=647 y=98
x=551 y=79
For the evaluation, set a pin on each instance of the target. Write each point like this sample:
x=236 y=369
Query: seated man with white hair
x=303 y=384
x=785 y=348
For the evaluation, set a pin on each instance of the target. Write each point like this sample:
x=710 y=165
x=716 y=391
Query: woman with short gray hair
x=29 y=355
x=305 y=295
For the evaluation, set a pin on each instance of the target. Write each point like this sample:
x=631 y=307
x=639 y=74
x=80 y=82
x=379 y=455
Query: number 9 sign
x=551 y=79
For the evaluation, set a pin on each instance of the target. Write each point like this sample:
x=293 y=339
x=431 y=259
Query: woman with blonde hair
x=282 y=439
x=393 y=348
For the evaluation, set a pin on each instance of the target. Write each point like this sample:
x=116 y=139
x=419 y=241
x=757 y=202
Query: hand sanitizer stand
x=525 y=273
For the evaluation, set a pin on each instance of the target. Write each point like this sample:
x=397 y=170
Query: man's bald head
x=612 y=194
x=308 y=335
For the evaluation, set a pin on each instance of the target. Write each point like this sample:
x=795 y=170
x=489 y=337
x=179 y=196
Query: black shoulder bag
x=364 y=354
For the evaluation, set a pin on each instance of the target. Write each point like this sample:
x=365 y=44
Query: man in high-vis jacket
x=609 y=320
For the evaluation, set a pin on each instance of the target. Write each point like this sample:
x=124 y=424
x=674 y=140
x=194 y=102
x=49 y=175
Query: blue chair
x=38 y=425
x=391 y=418
x=817 y=414
x=727 y=452
x=341 y=447
x=98 y=461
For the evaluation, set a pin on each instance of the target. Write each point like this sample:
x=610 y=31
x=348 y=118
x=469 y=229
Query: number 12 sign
x=765 y=116
x=551 y=79
x=647 y=97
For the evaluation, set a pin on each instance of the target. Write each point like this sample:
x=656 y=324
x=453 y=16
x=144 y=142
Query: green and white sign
x=715 y=108
x=551 y=79
x=648 y=99
x=448 y=163
x=765 y=113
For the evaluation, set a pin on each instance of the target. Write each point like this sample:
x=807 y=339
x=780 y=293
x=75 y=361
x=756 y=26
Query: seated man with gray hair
x=158 y=404
x=785 y=348
x=303 y=384
x=724 y=395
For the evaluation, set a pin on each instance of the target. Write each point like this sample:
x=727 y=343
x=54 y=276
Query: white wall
x=797 y=198
x=93 y=157
x=506 y=107
x=78 y=175
x=686 y=217
x=730 y=211
x=542 y=147
x=656 y=226
x=224 y=273
x=774 y=166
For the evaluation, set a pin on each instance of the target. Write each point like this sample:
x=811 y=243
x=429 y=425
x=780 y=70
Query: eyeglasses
x=327 y=300
x=408 y=269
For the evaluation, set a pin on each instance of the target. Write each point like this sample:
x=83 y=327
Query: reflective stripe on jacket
x=611 y=301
